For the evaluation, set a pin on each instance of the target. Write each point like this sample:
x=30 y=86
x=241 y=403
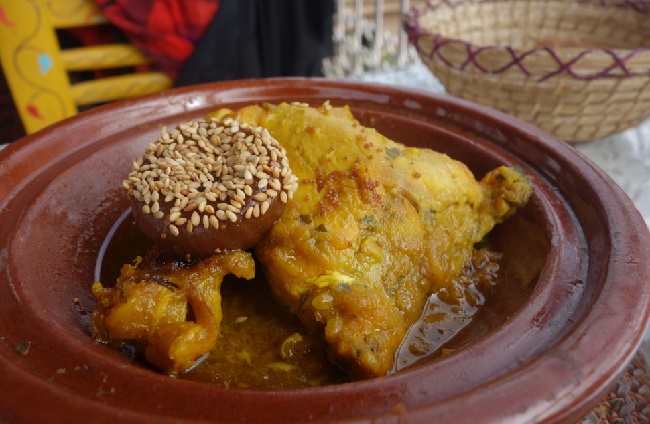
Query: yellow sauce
x=261 y=344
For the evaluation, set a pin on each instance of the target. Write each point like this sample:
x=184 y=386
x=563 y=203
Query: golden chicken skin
x=373 y=229
x=169 y=308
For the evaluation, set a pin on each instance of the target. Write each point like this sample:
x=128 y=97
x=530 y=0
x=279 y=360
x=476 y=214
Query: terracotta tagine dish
x=566 y=312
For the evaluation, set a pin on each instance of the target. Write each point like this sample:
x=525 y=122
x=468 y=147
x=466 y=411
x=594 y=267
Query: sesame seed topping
x=203 y=172
x=208 y=172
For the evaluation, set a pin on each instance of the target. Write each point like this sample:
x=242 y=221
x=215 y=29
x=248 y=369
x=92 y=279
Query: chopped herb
x=393 y=152
x=305 y=219
x=344 y=287
x=23 y=347
x=368 y=221
x=321 y=228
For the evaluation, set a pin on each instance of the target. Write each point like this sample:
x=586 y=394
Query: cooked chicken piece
x=374 y=228
x=169 y=308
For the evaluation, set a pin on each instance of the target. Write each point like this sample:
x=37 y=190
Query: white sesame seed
x=214 y=222
x=231 y=216
x=174 y=216
x=233 y=208
x=262 y=183
x=260 y=197
x=196 y=219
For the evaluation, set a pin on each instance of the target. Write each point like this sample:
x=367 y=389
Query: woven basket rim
x=565 y=56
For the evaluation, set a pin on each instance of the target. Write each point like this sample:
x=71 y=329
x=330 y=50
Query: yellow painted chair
x=37 y=69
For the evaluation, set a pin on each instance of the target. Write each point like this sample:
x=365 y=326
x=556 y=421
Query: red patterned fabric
x=167 y=30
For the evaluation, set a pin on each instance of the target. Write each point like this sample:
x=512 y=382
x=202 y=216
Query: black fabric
x=262 y=38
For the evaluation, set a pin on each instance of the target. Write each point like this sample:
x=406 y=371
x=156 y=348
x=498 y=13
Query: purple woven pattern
x=618 y=67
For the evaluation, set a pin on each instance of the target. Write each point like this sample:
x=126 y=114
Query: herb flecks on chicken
x=374 y=228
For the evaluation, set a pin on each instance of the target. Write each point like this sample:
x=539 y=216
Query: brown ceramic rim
x=581 y=325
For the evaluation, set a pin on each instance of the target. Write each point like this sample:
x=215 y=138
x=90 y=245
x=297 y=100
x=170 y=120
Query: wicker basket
x=579 y=69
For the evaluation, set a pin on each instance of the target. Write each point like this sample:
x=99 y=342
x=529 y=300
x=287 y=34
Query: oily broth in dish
x=372 y=266
x=261 y=344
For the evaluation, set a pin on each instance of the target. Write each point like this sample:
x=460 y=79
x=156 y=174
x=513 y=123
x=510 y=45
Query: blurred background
x=58 y=58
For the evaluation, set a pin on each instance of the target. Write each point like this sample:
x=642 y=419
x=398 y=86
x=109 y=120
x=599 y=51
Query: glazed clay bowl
x=567 y=316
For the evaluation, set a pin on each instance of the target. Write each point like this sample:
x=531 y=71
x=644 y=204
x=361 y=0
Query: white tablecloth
x=625 y=156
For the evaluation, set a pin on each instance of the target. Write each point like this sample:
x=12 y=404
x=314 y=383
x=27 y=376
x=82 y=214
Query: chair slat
x=72 y=13
x=118 y=87
x=102 y=57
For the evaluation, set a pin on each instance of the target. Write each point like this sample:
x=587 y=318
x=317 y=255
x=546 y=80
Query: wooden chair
x=37 y=68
